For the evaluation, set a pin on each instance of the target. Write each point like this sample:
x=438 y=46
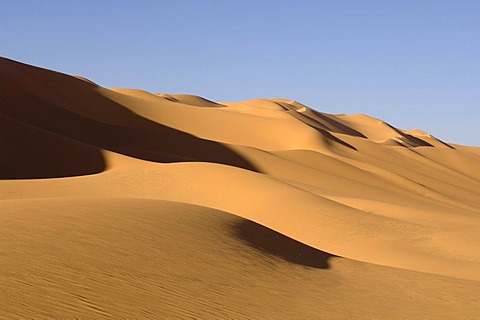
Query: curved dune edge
x=360 y=191
x=145 y=258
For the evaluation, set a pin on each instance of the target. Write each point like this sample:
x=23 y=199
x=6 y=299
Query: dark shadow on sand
x=73 y=110
x=276 y=244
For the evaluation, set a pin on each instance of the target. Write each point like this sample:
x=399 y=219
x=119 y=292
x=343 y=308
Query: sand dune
x=124 y=203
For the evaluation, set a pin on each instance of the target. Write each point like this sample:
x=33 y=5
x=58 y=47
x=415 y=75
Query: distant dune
x=127 y=204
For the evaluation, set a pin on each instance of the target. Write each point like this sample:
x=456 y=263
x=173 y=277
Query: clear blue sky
x=415 y=64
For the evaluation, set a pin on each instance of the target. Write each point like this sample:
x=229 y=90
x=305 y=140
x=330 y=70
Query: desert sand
x=120 y=203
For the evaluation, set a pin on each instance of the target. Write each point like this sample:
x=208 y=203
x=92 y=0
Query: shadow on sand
x=56 y=114
x=271 y=242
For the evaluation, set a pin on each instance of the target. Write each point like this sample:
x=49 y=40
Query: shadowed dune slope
x=75 y=108
x=122 y=203
x=30 y=152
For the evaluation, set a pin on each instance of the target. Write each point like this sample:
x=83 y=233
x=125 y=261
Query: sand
x=120 y=203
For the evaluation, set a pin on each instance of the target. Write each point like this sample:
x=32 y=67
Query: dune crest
x=126 y=203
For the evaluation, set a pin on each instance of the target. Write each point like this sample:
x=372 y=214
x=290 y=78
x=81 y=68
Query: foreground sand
x=122 y=203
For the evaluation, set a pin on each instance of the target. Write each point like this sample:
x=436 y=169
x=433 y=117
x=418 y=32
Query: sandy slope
x=126 y=203
x=145 y=258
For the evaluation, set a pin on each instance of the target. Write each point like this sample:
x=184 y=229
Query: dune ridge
x=297 y=211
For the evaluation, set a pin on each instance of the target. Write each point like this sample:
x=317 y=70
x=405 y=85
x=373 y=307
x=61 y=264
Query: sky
x=414 y=64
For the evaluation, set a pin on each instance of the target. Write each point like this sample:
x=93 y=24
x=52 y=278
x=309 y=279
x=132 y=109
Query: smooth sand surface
x=120 y=203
